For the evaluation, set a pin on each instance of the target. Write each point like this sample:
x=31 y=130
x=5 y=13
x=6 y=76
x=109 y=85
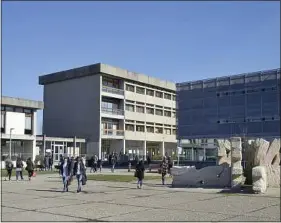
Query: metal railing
x=112 y=90
x=112 y=111
x=113 y=132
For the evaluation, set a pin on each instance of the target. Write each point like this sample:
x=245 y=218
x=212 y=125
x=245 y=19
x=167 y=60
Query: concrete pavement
x=42 y=199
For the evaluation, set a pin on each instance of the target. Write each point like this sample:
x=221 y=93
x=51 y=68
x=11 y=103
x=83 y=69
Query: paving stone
x=9 y=210
x=95 y=210
x=272 y=213
x=30 y=216
x=243 y=218
x=168 y=215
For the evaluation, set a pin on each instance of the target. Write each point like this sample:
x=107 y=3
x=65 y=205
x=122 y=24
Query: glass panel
x=2 y=119
x=28 y=122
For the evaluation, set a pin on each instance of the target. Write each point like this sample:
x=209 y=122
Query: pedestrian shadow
x=51 y=190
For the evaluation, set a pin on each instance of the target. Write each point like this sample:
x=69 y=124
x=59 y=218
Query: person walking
x=29 y=168
x=9 y=167
x=100 y=164
x=51 y=162
x=79 y=171
x=95 y=163
x=164 y=168
x=113 y=162
x=19 y=166
x=148 y=159
x=65 y=170
x=92 y=160
x=60 y=163
x=140 y=173
x=170 y=165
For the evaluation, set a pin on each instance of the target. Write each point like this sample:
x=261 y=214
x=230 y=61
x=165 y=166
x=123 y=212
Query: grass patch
x=119 y=178
x=25 y=173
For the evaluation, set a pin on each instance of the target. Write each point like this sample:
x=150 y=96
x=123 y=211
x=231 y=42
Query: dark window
x=140 y=90
x=28 y=111
x=9 y=108
x=130 y=88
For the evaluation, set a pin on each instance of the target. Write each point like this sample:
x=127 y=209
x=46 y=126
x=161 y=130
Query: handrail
x=113 y=111
x=113 y=132
x=112 y=90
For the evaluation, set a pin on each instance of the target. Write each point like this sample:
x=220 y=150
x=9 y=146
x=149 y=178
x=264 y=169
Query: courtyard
x=42 y=199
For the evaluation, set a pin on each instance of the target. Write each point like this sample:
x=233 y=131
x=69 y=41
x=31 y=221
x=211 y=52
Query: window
x=113 y=83
x=150 y=129
x=173 y=114
x=159 y=130
x=159 y=112
x=28 y=124
x=9 y=108
x=140 y=90
x=130 y=121
x=149 y=92
x=168 y=131
x=140 y=109
x=2 y=108
x=173 y=97
x=140 y=128
x=150 y=111
x=174 y=131
x=2 y=121
x=130 y=108
x=159 y=94
x=27 y=111
x=167 y=113
x=20 y=110
x=167 y=96
x=130 y=88
x=130 y=127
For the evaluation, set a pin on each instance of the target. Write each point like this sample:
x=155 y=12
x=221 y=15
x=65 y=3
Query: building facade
x=115 y=110
x=18 y=127
x=240 y=105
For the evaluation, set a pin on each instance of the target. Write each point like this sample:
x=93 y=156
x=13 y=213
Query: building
x=57 y=146
x=18 y=127
x=240 y=105
x=115 y=110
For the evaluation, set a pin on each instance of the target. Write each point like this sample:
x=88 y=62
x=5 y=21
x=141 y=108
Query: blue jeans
x=65 y=183
x=19 y=173
x=79 y=181
x=139 y=182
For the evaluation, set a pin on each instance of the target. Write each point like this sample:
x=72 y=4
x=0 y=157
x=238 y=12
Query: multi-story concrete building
x=238 y=105
x=18 y=127
x=114 y=109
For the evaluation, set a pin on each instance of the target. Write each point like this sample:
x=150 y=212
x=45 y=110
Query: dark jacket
x=9 y=165
x=140 y=170
x=29 y=165
x=19 y=164
x=68 y=166
x=82 y=168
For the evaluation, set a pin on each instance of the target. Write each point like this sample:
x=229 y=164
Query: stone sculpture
x=259 y=179
x=236 y=157
x=224 y=152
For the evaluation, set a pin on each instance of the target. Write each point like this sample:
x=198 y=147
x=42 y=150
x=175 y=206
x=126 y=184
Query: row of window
x=158 y=94
x=150 y=129
x=15 y=109
x=151 y=111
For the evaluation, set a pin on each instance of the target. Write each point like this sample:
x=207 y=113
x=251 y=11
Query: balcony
x=111 y=111
x=112 y=133
x=112 y=90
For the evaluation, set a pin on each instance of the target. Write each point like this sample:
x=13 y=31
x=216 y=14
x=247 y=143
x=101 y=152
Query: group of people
x=48 y=162
x=19 y=168
x=70 y=167
x=165 y=167
x=95 y=164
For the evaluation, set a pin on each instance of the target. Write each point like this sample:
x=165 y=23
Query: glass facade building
x=238 y=105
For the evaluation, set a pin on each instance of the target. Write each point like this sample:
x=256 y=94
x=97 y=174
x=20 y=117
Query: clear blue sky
x=177 y=41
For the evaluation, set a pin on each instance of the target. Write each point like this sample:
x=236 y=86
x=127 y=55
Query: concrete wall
x=16 y=121
x=72 y=108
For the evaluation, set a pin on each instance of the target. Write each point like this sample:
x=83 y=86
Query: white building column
x=74 y=147
x=144 y=149
x=34 y=132
x=34 y=150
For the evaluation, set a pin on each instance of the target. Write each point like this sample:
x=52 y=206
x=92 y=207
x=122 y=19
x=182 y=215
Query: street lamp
x=10 y=151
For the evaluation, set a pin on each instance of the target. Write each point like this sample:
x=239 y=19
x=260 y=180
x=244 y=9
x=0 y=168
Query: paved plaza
x=42 y=200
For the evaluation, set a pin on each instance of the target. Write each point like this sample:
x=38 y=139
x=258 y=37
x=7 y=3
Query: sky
x=175 y=41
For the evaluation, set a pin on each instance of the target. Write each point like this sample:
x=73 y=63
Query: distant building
x=18 y=122
x=114 y=109
x=239 y=105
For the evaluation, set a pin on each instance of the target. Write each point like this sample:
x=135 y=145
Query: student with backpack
x=19 y=166
x=9 y=168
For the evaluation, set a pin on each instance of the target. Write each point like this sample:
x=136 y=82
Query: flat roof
x=21 y=102
x=101 y=68
x=232 y=77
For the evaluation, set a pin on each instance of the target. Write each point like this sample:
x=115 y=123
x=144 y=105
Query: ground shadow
x=242 y=190
x=51 y=190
